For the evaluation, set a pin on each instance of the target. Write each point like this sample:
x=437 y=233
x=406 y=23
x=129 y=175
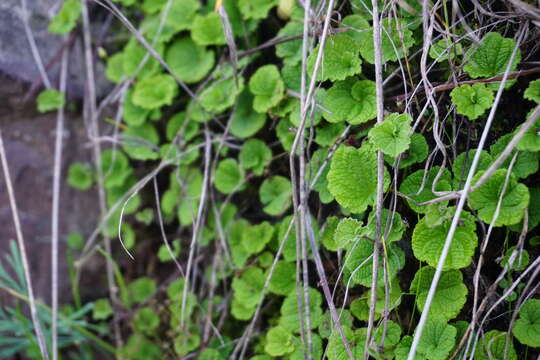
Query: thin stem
x=57 y=173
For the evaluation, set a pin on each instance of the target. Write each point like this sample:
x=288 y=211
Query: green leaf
x=340 y=59
x=300 y=351
x=186 y=342
x=101 y=309
x=359 y=262
x=114 y=70
x=182 y=14
x=289 y=310
x=403 y=348
x=428 y=242
x=520 y=262
x=462 y=165
x=437 y=339
x=289 y=248
x=155 y=91
x=318 y=159
x=418 y=187
x=255 y=9
x=221 y=95
x=514 y=200
x=255 y=155
x=283 y=279
x=80 y=176
x=348 y=231
x=472 y=100
x=141 y=289
x=533 y=91
x=327 y=134
x=163 y=252
x=350 y=167
x=396 y=39
x=153 y=6
x=140 y=348
x=290 y=51
x=75 y=241
x=248 y=287
x=115 y=168
x=275 y=194
x=50 y=99
x=66 y=19
x=417 y=152
x=531 y=140
x=313 y=115
x=391 y=224
x=229 y=177
x=267 y=86
x=152 y=28
x=189 y=61
x=358 y=25
x=285 y=133
x=255 y=237
x=360 y=309
x=351 y=100
x=128 y=236
x=526 y=162
x=394 y=297
x=245 y=122
x=180 y=122
x=491 y=347
x=527 y=327
x=132 y=114
x=134 y=54
x=335 y=349
x=208 y=30
x=491 y=57
x=450 y=296
x=146 y=321
x=392 y=136
x=327 y=326
x=279 y=341
x=445 y=49
x=141 y=142
x=327 y=237
x=234 y=238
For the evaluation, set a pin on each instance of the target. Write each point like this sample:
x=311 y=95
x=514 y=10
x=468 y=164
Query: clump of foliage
x=298 y=216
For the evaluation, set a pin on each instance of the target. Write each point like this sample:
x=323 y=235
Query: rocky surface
x=15 y=55
x=29 y=140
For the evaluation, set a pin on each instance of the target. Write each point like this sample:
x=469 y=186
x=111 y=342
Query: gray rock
x=16 y=57
x=29 y=141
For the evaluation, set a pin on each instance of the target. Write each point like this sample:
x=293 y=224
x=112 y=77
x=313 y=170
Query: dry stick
x=380 y=175
x=301 y=251
x=33 y=46
x=490 y=292
x=453 y=85
x=198 y=221
x=534 y=265
x=497 y=163
x=94 y=133
x=116 y=12
x=519 y=248
x=55 y=209
x=20 y=240
x=242 y=344
x=247 y=333
x=162 y=229
x=457 y=214
x=303 y=108
x=478 y=270
x=484 y=246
